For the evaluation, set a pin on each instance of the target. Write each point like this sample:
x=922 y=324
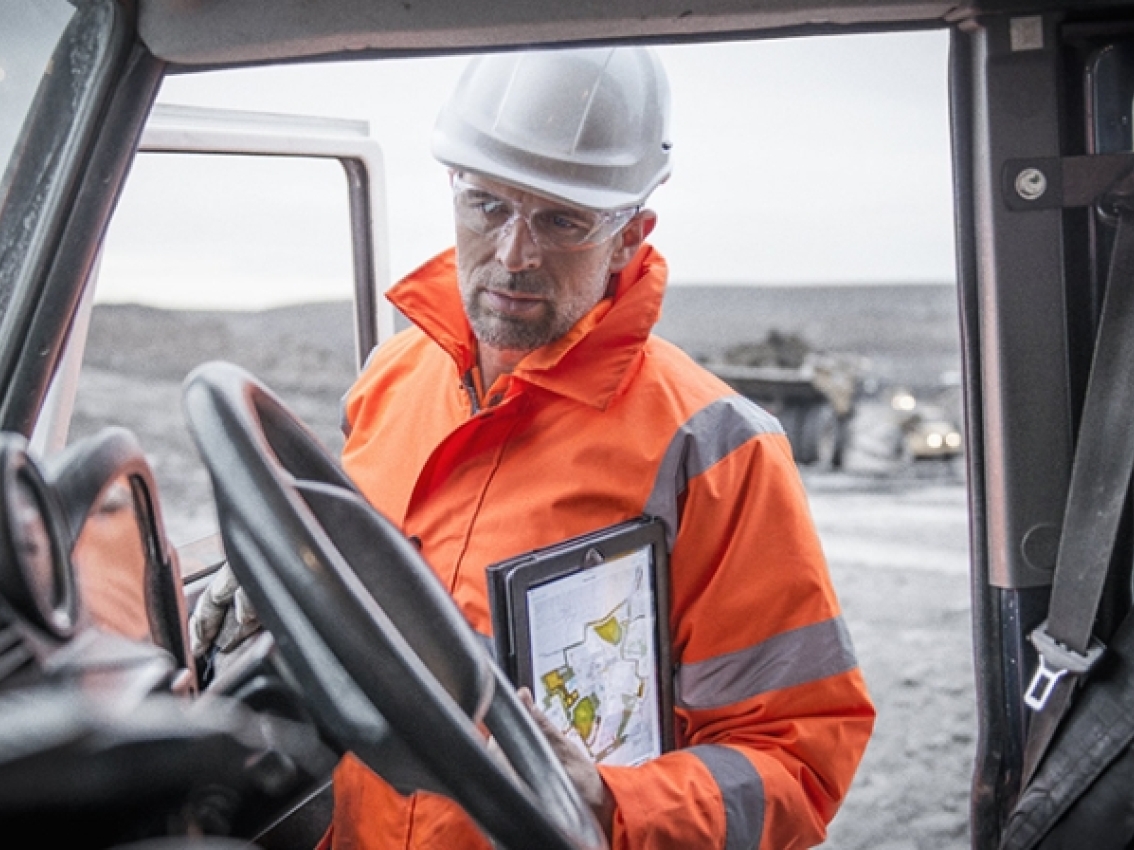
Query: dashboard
x=106 y=736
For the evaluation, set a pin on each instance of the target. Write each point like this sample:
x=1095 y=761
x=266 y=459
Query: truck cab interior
x=108 y=737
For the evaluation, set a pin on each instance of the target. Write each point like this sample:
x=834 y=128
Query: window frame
x=219 y=132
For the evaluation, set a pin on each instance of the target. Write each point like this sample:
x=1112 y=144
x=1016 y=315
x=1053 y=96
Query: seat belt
x=1080 y=795
x=1100 y=478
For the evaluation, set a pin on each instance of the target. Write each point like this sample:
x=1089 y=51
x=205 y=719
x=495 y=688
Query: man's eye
x=564 y=223
x=487 y=205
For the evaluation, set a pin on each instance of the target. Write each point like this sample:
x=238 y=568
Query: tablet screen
x=594 y=658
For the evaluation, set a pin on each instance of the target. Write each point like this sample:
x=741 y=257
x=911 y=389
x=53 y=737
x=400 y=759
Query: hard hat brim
x=531 y=177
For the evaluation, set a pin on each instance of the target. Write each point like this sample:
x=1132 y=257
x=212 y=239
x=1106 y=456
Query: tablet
x=584 y=624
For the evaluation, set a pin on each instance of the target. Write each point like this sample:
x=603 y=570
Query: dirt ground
x=895 y=535
x=898 y=556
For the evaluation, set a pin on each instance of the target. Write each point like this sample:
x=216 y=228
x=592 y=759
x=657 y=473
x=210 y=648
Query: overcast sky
x=822 y=160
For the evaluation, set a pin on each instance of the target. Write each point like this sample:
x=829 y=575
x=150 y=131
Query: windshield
x=31 y=30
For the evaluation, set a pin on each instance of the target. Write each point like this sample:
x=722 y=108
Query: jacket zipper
x=470 y=387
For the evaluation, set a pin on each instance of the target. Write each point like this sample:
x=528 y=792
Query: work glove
x=222 y=621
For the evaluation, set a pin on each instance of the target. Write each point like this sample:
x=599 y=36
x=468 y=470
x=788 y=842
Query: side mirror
x=128 y=576
x=110 y=564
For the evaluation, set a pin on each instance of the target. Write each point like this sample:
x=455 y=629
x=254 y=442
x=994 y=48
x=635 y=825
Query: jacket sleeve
x=772 y=714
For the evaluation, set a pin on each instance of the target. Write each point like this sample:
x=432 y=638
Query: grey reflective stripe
x=802 y=655
x=708 y=436
x=742 y=791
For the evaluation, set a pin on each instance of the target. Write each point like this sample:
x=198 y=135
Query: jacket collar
x=589 y=363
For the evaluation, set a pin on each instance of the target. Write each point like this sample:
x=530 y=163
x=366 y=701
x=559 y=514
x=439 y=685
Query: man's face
x=520 y=290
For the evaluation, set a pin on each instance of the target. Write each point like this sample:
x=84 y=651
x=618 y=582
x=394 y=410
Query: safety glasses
x=553 y=226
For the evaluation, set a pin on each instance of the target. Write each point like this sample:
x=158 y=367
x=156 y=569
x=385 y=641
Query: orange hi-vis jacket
x=603 y=425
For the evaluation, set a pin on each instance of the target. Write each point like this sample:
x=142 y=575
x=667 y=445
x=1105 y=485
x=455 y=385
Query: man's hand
x=580 y=769
x=222 y=619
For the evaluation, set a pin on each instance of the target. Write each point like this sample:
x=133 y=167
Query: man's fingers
x=208 y=614
x=554 y=736
x=234 y=632
x=222 y=587
x=223 y=615
x=566 y=751
x=584 y=775
x=242 y=608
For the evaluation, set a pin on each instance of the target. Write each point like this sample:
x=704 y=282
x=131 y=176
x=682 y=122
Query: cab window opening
x=807 y=201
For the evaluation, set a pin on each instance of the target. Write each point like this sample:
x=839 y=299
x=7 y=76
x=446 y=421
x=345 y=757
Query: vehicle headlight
x=953 y=440
x=934 y=441
x=903 y=401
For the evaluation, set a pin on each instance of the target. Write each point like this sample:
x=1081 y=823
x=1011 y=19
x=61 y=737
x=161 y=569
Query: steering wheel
x=387 y=663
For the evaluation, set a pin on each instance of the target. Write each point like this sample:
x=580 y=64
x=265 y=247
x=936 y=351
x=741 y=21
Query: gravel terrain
x=899 y=559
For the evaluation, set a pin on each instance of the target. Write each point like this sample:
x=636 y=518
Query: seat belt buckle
x=1055 y=661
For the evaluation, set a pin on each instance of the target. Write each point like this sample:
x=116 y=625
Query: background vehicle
x=926 y=430
x=927 y=436
x=1040 y=92
x=812 y=394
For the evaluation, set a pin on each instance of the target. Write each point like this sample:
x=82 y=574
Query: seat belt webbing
x=1100 y=477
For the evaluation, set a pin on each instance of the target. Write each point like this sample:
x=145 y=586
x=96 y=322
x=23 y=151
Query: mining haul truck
x=812 y=394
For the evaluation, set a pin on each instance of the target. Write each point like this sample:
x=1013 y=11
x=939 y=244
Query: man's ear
x=631 y=237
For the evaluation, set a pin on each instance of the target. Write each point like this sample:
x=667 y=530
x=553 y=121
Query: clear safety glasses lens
x=554 y=228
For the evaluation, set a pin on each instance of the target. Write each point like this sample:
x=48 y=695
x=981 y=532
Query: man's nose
x=515 y=248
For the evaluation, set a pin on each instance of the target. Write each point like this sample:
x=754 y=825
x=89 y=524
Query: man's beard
x=516 y=333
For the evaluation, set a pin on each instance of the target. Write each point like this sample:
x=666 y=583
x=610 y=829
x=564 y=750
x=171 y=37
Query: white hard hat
x=587 y=126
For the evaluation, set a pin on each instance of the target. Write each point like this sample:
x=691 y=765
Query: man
x=530 y=404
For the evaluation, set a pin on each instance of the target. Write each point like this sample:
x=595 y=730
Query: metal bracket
x=1045 y=183
x=1055 y=661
